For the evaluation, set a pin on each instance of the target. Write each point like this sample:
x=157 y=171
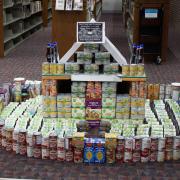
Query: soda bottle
x=56 y=52
x=49 y=53
x=141 y=53
x=133 y=57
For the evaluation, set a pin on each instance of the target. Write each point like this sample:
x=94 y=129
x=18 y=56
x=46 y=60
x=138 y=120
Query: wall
x=114 y=6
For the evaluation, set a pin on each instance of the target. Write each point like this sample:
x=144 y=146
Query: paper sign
x=91 y=32
x=60 y=4
x=78 y=5
x=151 y=13
x=69 y=4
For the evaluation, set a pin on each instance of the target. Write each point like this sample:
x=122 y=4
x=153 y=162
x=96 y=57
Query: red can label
x=53 y=154
x=78 y=155
x=69 y=156
x=37 y=152
x=153 y=156
x=22 y=149
x=154 y=144
x=9 y=146
x=136 y=156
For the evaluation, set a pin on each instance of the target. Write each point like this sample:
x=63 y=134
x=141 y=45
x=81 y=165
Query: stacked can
x=137 y=144
x=161 y=149
x=22 y=142
x=145 y=149
x=61 y=152
x=37 y=141
x=45 y=147
x=9 y=139
x=45 y=68
x=169 y=148
x=53 y=146
x=122 y=106
x=49 y=88
x=70 y=150
x=120 y=149
x=176 y=148
x=128 y=154
x=16 y=141
x=153 y=149
x=29 y=141
x=111 y=144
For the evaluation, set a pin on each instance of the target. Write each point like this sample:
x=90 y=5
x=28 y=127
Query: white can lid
x=176 y=84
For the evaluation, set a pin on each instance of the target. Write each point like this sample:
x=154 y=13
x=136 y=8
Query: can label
x=45 y=142
x=15 y=136
x=29 y=151
x=53 y=141
x=153 y=156
x=9 y=135
x=61 y=155
x=176 y=144
x=154 y=144
x=160 y=156
x=45 y=153
x=22 y=138
x=169 y=143
x=136 y=156
x=128 y=157
x=4 y=142
x=144 y=159
x=176 y=155
x=168 y=155
x=69 y=156
x=68 y=143
x=137 y=144
x=53 y=154
x=60 y=143
x=9 y=146
x=29 y=139
x=37 y=152
x=128 y=144
x=119 y=157
x=78 y=155
x=161 y=144
x=37 y=139
x=22 y=149
x=146 y=143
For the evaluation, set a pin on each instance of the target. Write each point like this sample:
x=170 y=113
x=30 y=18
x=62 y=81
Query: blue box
x=99 y=155
x=89 y=155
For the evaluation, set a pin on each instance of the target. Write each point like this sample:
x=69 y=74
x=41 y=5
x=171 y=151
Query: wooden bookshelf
x=152 y=32
x=19 y=20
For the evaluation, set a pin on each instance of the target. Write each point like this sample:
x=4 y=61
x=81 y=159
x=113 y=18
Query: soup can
x=161 y=144
x=146 y=144
x=176 y=155
x=22 y=137
x=16 y=147
x=9 y=146
x=37 y=152
x=61 y=155
x=68 y=143
x=22 y=149
x=136 y=156
x=137 y=143
x=45 y=68
x=37 y=138
x=45 y=142
x=60 y=68
x=154 y=143
x=9 y=134
x=168 y=155
x=169 y=143
x=53 y=140
x=119 y=156
x=140 y=70
x=53 y=154
x=133 y=69
x=29 y=151
x=176 y=143
x=125 y=70
x=160 y=156
x=78 y=155
x=45 y=153
x=29 y=139
x=153 y=156
x=128 y=157
x=69 y=155
x=60 y=143
x=52 y=69
x=120 y=144
x=128 y=144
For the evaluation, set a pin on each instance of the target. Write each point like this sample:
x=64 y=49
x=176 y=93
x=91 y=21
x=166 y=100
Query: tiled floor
x=26 y=61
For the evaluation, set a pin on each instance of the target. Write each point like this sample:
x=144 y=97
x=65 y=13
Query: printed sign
x=151 y=13
x=60 y=4
x=91 y=32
